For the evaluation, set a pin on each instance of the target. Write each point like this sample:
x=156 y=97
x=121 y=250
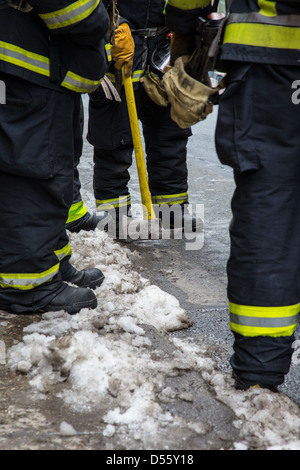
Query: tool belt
x=150 y=32
x=208 y=46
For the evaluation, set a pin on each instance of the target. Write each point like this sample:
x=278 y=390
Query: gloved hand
x=154 y=87
x=181 y=45
x=189 y=98
x=123 y=49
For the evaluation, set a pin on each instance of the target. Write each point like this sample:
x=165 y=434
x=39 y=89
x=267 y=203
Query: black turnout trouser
x=258 y=135
x=36 y=191
x=165 y=146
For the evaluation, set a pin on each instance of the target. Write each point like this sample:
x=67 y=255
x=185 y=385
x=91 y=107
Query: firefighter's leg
x=109 y=132
x=111 y=177
x=31 y=233
x=263 y=277
x=78 y=217
x=36 y=187
x=260 y=140
x=166 y=152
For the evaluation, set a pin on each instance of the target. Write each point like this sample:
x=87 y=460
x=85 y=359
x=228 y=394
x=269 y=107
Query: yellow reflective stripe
x=252 y=321
x=76 y=211
x=29 y=280
x=154 y=75
x=63 y=252
x=111 y=76
x=267 y=7
x=21 y=57
x=75 y=82
x=109 y=204
x=251 y=332
x=170 y=199
x=137 y=74
x=70 y=15
x=188 y=4
x=262 y=35
x=108 y=51
x=40 y=64
x=135 y=77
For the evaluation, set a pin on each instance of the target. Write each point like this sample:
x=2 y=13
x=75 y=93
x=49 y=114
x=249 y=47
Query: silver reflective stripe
x=79 y=84
x=70 y=15
x=171 y=199
x=27 y=281
x=109 y=204
x=279 y=20
x=26 y=59
x=137 y=75
x=63 y=252
x=264 y=322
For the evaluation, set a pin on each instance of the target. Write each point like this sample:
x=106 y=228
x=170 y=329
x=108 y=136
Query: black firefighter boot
x=118 y=224
x=178 y=216
x=72 y=300
x=89 y=277
x=90 y=222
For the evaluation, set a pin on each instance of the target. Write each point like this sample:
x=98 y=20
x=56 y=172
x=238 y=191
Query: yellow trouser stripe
x=76 y=211
x=29 y=280
x=250 y=320
x=170 y=199
x=109 y=204
x=63 y=252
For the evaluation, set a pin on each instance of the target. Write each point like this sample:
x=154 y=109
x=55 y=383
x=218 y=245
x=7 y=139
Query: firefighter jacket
x=257 y=31
x=147 y=23
x=59 y=43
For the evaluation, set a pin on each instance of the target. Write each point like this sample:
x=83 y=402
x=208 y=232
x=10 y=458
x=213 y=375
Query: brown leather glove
x=123 y=49
x=181 y=45
x=189 y=98
x=154 y=87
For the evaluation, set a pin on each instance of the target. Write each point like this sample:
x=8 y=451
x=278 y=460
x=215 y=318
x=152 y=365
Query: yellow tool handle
x=138 y=149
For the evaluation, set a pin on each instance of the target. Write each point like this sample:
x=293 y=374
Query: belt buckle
x=151 y=33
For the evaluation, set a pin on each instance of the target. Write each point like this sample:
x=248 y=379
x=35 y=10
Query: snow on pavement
x=104 y=353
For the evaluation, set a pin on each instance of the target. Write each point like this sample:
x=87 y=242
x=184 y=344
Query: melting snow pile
x=104 y=353
x=104 y=358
